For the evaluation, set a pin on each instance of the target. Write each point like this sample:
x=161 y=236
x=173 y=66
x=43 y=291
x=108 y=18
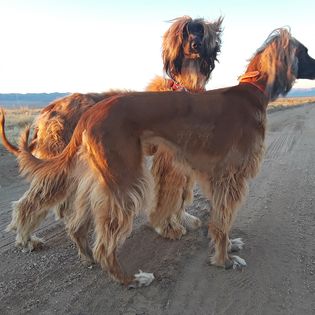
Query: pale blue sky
x=90 y=45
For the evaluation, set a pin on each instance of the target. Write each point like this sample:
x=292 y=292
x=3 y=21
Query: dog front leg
x=226 y=196
x=173 y=190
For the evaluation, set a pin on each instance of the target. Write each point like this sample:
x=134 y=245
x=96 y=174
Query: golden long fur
x=187 y=68
x=219 y=134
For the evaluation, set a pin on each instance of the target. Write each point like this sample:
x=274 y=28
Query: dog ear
x=211 y=45
x=217 y=25
x=172 y=45
x=215 y=31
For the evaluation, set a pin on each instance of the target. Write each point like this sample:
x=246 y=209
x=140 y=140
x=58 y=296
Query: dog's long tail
x=6 y=143
x=49 y=176
x=9 y=146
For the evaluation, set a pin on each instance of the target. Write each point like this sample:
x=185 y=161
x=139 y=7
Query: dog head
x=193 y=34
x=305 y=63
x=191 y=39
x=280 y=61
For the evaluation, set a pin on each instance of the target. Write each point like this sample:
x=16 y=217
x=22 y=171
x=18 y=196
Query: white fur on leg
x=142 y=279
x=158 y=230
x=190 y=221
x=236 y=245
x=12 y=225
x=86 y=261
x=173 y=230
x=238 y=262
x=58 y=214
x=28 y=246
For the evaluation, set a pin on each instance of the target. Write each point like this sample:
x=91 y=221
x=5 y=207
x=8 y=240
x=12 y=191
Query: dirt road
x=277 y=223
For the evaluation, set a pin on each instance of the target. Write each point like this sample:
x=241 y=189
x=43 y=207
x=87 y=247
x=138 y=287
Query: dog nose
x=195 y=45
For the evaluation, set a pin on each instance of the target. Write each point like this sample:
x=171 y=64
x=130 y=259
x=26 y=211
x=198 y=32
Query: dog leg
x=105 y=252
x=173 y=190
x=30 y=211
x=25 y=219
x=60 y=210
x=170 y=228
x=112 y=226
x=221 y=242
x=189 y=221
x=79 y=235
x=118 y=193
x=78 y=221
x=226 y=195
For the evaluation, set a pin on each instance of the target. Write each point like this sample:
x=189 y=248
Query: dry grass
x=287 y=102
x=17 y=119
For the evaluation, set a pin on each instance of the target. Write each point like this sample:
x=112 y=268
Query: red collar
x=250 y=78
x=175 y=86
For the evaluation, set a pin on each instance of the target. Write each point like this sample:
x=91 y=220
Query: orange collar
x=250 y=78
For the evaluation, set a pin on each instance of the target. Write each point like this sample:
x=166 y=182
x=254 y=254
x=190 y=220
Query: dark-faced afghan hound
x=218 y=134
x=190 y=49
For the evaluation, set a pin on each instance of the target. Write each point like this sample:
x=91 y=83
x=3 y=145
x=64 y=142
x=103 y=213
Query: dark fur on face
x=306 y=64
x=191 y=39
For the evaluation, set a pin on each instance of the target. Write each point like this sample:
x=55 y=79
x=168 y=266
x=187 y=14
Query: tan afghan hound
x=190 y=49
x=219 y=134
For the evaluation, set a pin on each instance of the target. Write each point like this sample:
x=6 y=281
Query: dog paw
x=11 y=227
x=141 y=279
x=236 y=245
x=34 y=243
x=190 y=221
x=172 y=233
x=235 y=262
x=87 y=261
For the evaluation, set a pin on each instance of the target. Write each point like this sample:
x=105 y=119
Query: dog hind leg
x=115 y=199
x=78 y=220
x=24 y=222
x=31 y=210
x=27 y=214
x=78 y=228
x=113 y=224
x=60 y=210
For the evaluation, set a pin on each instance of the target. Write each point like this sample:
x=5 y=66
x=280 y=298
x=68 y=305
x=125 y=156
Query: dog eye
x=196 y=29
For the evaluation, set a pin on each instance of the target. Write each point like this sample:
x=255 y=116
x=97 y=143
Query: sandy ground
x=277 y=223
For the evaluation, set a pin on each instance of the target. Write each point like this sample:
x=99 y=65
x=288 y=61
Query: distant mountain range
x=38 y=100
x=302 y=92
x=34 y=100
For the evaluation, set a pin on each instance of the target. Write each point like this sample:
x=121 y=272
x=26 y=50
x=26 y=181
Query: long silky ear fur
x=172 y=45
x=276 y=62
x=212 y=45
